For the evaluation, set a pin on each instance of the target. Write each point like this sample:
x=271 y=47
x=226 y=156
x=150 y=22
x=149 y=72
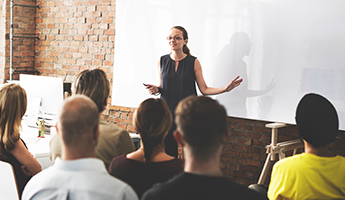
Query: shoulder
x=128 y=193
x=110 y=129
x=289 y=162
x=243 y=192
x=55 y=141
x=192 y=57
x=166 y=56
x=120 y=189
x=165 y=190
x=38 y=182
x=164 y=60
x=189 y=186
x=19 y=143
x=120 y=159
x=177 y=162
x=20 y=151
x=120 y=164
x=172 y=167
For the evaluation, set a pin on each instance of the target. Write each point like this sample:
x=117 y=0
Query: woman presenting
x=178 y=72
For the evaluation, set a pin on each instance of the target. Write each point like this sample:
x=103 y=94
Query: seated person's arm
x=26 y=159
x=55 y=147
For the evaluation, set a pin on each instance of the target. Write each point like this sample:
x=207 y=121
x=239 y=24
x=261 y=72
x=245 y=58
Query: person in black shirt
x=13 y=150
x=149 y=164
x=178 y=73
x=202 y=133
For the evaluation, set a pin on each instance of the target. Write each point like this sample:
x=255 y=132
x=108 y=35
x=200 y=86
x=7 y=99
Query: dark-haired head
x=185 y=37
x=152 y=120
x=202 y=123
x=94 y=84
x=317 y=120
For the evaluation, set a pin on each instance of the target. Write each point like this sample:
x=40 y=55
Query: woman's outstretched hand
x=234 y=83
x=152 y=89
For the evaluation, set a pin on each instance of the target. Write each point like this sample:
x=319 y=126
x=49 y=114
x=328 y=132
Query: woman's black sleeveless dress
x=175 y=87
x=21 y=178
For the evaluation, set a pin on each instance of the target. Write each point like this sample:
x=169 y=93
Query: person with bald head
x=78 y=174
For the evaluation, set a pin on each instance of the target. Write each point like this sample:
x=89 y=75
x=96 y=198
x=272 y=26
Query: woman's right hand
x=152 y=89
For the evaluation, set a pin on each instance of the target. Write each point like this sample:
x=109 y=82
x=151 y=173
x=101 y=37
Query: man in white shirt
x=78 y=174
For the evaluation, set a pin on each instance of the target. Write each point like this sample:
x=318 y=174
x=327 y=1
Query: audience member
x=149 y=164
x=113 y=141
x=13 y=150
x=202 y=133
x=78 y=174
x=318 y=173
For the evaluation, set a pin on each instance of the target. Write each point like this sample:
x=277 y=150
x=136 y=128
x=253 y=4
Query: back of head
x=202 y=123
x=152 y=120
x=94 y=84
x=78 y=121
x=317 y=120
x=13 y=104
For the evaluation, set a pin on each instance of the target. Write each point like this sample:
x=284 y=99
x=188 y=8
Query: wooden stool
x=277 y=148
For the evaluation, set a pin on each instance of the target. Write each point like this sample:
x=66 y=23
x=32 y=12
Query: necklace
x=177 y=59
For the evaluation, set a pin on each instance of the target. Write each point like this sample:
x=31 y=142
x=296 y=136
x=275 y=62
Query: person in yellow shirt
x=318 y=173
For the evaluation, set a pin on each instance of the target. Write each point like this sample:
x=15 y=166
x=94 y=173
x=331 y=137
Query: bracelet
x=159 y=91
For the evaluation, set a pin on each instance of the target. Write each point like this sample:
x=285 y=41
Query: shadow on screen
x=230 y=64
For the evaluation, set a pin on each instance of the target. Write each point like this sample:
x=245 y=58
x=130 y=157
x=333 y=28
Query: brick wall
x=244 y=155
x=23 y=48
x=74 y=36
x=2 y=38
x=78 y=35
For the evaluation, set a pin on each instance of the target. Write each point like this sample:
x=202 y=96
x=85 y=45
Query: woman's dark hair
x=185 y=37
x=317 y=120
x=152 y=120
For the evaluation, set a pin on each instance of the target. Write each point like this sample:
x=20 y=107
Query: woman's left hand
x=234 y=83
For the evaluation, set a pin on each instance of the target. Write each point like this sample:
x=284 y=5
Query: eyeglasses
x=176 y=38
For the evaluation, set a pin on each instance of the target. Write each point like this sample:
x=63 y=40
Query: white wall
x=283 y=50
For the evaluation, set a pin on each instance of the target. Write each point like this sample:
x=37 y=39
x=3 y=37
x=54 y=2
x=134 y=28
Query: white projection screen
x=283 y=49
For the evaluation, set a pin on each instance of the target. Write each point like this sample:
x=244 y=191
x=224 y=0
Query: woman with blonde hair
x=149 y=164
x=13 y=103
x=113 y=141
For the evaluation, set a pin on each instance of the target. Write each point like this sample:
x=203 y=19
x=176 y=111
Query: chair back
x=8 y=186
